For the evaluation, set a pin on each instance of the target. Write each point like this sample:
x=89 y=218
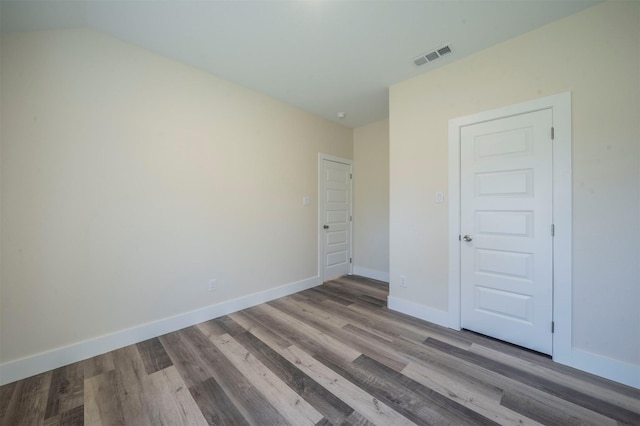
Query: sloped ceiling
x=323 y=56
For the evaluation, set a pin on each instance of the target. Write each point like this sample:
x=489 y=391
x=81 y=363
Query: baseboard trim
x=371 y=273
x=609 y=368
x=36 y=364
x=423 y=312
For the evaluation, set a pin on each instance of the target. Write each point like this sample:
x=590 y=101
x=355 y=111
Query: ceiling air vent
x=432 y=55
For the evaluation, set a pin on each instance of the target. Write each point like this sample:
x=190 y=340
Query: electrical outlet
x=403 y=281
x=213 y=284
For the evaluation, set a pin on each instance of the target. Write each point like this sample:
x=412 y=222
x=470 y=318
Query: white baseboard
x=371 y=273
x=426 y=313
x=609 y=368
x=36 y=364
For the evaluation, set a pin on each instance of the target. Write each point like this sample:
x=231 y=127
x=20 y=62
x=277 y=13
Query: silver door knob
x=326 y=227
x=467 y=238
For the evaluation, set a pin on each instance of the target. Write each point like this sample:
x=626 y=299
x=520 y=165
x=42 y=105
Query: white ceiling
x=323 y=56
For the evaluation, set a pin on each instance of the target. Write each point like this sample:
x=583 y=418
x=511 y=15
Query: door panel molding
x=560 y=106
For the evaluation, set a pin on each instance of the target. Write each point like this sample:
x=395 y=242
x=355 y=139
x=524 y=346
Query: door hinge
x=350 y=260
x=350 y=218
x=553 y=230
x=459 y=237
x=553 y=327
x=553 y=133
x=350 y=175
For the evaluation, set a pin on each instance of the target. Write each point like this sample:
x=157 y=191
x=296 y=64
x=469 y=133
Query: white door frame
x=321 y=233
x=560 y=106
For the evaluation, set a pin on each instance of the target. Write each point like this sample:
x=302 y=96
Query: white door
x=335 y=204
x=506 y=224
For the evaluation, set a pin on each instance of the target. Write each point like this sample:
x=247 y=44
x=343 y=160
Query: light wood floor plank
x=476 y=398
x=619 y=399
x=367 y=405
x=552 y=411
x=335 y=328
x=409 y=329
x=387 y=323
x=254 y=326
x=169 y=399
x=292 y=407
x=303 y=334
x=97 y=365
x=300 y=303
x=251 y=403
x=452 y=364
x=557 y=389
x=409 y=398
x=101 y=400
x=359 y=288
x=333 y=409
x=29 y=401
x=129 y=375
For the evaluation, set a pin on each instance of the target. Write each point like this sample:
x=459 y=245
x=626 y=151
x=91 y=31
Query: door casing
x=560 y=106
x=321 y=235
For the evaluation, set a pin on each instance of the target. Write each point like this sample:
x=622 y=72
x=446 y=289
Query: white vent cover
x=432 y=55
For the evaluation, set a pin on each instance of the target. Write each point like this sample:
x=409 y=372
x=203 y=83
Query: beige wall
x=596 y=56
x=371 y=200
x=129 y=180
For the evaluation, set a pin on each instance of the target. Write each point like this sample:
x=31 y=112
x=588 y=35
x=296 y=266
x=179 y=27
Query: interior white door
x=336 y=219
x=506 y=224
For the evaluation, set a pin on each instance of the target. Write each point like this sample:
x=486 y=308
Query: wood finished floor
x=330 y=355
